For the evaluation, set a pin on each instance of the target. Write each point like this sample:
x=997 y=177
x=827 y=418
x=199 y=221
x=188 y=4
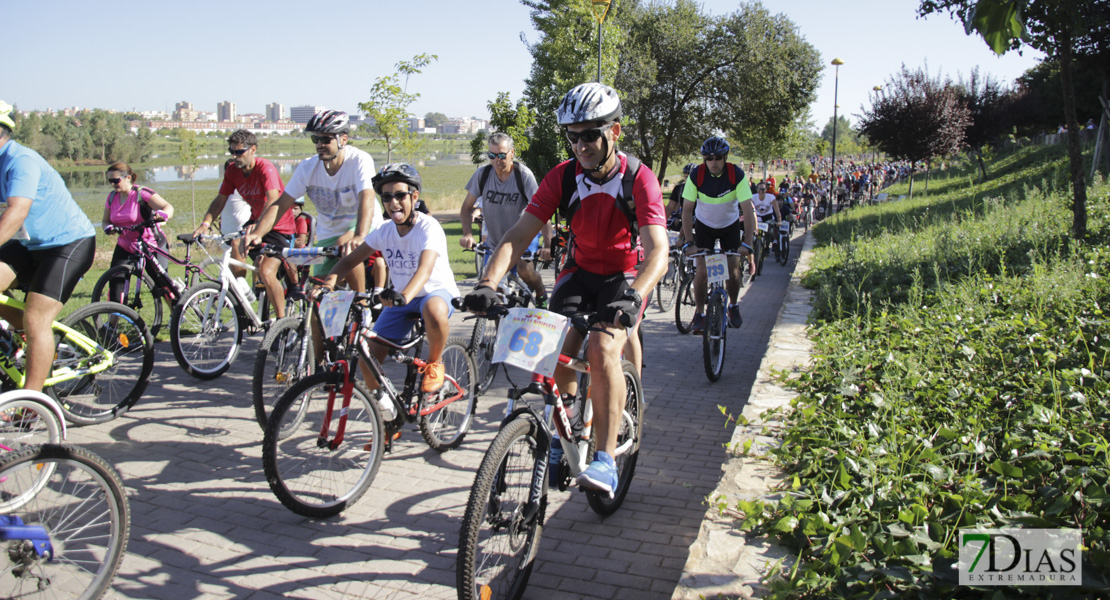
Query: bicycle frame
x=149 y=253
x=85 y=343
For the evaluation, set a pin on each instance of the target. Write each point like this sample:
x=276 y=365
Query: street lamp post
x=836 y=83
x=601 y=10
x=874 y=152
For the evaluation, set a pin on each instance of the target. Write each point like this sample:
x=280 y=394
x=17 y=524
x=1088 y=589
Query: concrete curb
x=724 y=561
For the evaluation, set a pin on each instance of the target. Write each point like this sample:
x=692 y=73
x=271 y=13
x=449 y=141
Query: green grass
x=961 y=378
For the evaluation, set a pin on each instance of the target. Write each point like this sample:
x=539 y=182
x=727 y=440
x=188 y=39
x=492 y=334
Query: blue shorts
x=394 y=324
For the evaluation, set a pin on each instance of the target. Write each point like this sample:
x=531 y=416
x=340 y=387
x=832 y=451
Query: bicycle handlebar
x=580 y=321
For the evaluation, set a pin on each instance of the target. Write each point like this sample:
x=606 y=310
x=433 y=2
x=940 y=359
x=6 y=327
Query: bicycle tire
x=27 y=421
x=132 y=292
x=205 y=348
x=497 y=540
x=95 y=398
x=786 y=250
x=446 y=428
x=482 y=340
x=629 y=436
x=285 y=356
x=685 y=307
x=713 y=336
x=667 y=288
x=760 y=255
x=311 y=479
x=88 y=543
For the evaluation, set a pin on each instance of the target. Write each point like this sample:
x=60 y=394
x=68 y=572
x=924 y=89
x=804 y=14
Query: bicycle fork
x=348 y=388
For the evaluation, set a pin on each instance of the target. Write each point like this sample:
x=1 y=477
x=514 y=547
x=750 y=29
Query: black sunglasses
x=493 y=155
x=114 y=180
x=322 y=139
x=712 y=157
x=589 y=136
x=235 y=152
x=398 y=196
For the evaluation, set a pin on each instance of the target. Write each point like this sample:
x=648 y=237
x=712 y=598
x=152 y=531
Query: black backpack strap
x=482 y=180
x=520 y=180
x=569 y=186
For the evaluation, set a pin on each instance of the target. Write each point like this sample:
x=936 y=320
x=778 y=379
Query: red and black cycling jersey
x=602 y=236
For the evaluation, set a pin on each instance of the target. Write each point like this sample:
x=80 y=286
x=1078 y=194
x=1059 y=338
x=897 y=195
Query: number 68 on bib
x=531 y=338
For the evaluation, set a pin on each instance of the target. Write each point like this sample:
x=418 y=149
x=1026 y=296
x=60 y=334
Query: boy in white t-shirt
x=415 y=250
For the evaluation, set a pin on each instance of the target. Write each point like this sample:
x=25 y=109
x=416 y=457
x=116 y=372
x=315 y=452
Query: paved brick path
x=204 y=523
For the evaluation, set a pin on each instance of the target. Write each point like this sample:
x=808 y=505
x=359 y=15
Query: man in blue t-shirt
x=46 y=245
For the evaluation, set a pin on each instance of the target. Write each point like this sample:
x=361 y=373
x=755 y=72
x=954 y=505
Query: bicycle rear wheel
x=307 y=475
x=285 y=357
x=667 y=288
x=481 y=350
x=138 y=293
x=629 y=435
x=502 y=524
x=27 y=421
x=89 y=398
x=206 y=335
x=685 y=307
x=760 y=255
x=82 y=508
x=713 y=336
x=785 y=249
x=445 y=428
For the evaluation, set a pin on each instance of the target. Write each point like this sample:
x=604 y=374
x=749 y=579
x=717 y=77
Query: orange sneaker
x=433 y=377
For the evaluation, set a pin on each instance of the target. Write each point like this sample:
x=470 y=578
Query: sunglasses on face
x=398 y=196
x=114 y=180
x=713 y=157
x=589 y=136
x=501 y=155
x=235 y=152
x=322 y=139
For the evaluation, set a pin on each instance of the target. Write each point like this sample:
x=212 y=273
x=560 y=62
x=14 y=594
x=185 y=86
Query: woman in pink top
x=130 y=204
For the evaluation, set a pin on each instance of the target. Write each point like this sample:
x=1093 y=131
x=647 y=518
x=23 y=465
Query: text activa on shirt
x=396 y=258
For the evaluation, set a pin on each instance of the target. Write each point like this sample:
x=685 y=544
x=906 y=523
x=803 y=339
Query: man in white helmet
x=612 y=203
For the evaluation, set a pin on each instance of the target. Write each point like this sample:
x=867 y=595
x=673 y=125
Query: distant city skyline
x=284 y=52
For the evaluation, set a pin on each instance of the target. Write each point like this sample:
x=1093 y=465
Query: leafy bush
x=961 y=379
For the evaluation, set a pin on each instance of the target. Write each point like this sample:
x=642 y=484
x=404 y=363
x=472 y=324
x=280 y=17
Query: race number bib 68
x=531 y=339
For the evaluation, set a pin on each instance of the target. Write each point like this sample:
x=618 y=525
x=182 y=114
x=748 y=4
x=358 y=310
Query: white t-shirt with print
x=336 y=197
x=402 y=254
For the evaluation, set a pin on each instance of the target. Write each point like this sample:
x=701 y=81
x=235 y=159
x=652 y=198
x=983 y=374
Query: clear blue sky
x=148 y=55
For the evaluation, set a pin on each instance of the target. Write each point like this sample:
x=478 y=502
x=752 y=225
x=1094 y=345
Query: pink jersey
x=263 y=178
x=128 y=212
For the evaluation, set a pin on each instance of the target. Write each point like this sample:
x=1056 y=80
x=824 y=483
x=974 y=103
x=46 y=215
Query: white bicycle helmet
x=332 y=122
x=589 y=102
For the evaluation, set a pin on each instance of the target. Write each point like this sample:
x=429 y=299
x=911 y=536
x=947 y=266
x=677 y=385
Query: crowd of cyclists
x=613 y=204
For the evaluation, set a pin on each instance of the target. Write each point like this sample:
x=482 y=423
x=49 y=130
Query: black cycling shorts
x=273 y=238
x=52 y=272
x=731 y=236
x=578 y=291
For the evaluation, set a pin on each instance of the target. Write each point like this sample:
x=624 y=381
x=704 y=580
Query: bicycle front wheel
x=138 y=293
x=685 y=307
x=206 y=334
x=28 y=421
x=82 y=508
x=481 y=350
x=445 y=428
x=285 y=357
x=306 y=473
x=629 y=435
x=503 y=524
x=713 y=336
x=86 y=397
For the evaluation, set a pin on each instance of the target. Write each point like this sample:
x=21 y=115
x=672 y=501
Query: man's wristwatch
x=633 y=295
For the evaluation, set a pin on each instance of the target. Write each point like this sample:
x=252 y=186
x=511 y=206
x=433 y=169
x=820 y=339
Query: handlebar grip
x=626 y=320
x=457 y=303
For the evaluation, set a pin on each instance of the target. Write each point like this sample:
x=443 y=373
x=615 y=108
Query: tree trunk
x=982 y=166
x=928 y=173
x=1075 y=157
x=911 y=184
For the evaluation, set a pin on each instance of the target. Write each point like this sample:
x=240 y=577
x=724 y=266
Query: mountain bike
x=516 y=293
x=716 y=311
x=206 y=330
x=135 y=280
x=325 y=438
x=668 y=287
x=64 y=522
x=504 y=518
x=560 y=248
x=102 y=362
x=782 y=244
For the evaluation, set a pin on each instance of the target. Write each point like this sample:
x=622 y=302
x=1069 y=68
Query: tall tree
x=1062 y=29
x=985 y=100
x=564 y=56
x=389 y=104
x=916 y=117
x=434 y=119
x=847 y=138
